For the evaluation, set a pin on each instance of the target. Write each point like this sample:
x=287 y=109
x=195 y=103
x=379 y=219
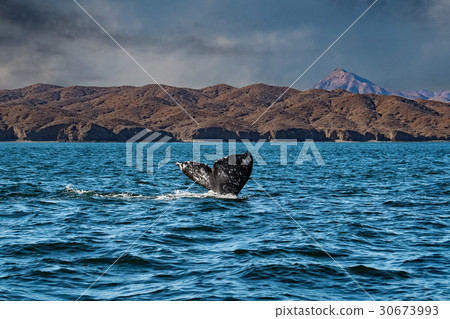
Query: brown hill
x=44 y=112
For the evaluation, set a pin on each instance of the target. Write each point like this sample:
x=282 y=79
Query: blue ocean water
x=380 y=210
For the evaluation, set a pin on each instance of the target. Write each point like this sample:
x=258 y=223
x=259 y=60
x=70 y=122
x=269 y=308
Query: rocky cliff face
x=51 y=113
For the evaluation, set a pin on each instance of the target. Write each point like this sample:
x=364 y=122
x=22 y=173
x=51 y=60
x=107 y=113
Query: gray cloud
x=200 y=42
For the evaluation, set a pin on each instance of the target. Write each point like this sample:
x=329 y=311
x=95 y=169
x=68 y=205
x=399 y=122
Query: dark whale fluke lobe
x=228 y=175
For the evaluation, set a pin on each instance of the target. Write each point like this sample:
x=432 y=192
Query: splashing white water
x=164 y=197
x=184 y=194
x=70 y=189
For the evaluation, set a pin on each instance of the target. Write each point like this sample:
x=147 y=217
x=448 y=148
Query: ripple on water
x=380 y=210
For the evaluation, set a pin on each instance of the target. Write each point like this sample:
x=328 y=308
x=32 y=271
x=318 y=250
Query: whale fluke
x=228 y=175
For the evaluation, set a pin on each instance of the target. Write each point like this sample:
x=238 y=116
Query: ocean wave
x=185 y=194
x=393 y=239
x=292 y=273
x=90 y=193
x=177 y=194
x=367 y=271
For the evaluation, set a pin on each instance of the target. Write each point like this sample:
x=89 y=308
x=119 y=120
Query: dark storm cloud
x=32 y=22
x=22 y=21
x=398 y=44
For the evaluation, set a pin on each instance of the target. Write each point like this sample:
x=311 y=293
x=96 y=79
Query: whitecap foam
x=185 y=194
x=83 y=192
x=164 y=197
x=70 y=189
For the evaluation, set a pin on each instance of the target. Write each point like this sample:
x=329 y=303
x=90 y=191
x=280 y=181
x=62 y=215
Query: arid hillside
x=44 y=112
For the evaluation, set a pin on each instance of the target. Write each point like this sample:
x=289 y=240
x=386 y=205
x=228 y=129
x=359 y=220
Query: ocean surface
x=373 y=222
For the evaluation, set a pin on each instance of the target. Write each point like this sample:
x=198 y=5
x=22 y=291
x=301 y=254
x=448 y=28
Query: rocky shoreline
x=44 y=112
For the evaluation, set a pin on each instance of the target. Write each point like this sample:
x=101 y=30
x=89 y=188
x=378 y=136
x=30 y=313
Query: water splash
x=185 y=194
x=177 y=194
x=90 y=193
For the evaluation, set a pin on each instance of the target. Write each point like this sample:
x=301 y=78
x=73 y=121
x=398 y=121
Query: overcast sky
x=398 y=44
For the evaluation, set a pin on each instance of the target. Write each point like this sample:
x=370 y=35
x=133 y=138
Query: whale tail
x=228 y=175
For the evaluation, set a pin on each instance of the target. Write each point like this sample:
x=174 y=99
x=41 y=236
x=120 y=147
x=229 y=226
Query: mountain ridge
x=45 y=112
x=342 y=79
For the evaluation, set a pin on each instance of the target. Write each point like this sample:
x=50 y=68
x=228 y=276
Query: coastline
x=224 y=140
x=92 y=114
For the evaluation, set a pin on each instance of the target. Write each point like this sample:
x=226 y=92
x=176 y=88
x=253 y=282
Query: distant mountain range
x=43 y=112
x=342 y=79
